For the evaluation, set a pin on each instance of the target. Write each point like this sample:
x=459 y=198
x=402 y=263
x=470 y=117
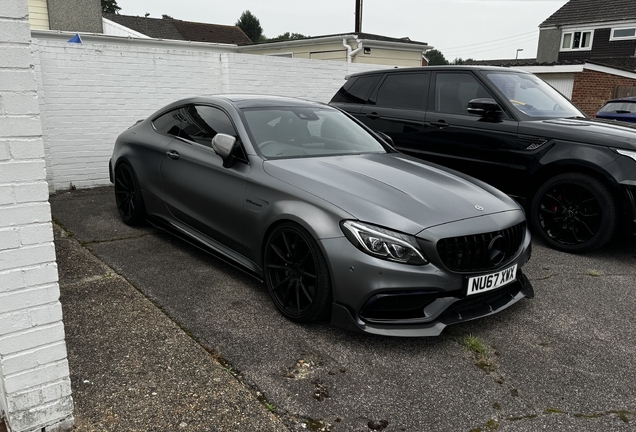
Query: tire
x=128 y=197
x=574 y=212
x=296 y=274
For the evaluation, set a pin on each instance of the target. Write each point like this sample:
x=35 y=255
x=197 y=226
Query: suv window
x=402 y=91
x=619 y=107
x=197 y=123
x=357 y=90
x=453 y=91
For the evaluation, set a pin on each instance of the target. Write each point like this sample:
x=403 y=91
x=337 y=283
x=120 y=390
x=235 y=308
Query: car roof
x=248 y=101
x=438 y=68
x=623 y=99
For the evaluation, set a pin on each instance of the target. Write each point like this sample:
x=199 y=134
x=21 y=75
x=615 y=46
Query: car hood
x=392 y=190
x=588 y=131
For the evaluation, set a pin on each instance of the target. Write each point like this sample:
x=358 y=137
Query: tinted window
x=357 y=90
x=620 y=107
x=453 y=91
x=195 y=123
x=311 y=131
x=532 y=96
x=402 y=91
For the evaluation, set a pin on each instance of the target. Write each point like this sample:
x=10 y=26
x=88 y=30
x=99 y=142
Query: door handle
x=172 y=154
x=373 y=115
x=438 y=124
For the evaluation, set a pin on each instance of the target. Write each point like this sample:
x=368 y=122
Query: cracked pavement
x=561 y=361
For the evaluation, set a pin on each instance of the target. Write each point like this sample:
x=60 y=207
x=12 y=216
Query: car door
x=397 y=108
x=197 y=189
x=480 y=147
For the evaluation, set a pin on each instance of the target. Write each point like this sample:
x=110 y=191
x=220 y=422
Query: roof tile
x=592 y=11
x=168 y=28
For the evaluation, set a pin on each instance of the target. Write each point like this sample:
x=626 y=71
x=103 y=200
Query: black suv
x=576 y=176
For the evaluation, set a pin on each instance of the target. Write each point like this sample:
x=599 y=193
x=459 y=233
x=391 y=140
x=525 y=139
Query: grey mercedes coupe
x=325 y=212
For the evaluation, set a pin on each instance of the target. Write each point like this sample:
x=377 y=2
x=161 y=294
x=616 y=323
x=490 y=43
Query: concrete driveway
x=562 y=361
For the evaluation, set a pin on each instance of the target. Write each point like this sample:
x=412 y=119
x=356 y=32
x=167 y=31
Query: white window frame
x=613 y=29
x=571 y=32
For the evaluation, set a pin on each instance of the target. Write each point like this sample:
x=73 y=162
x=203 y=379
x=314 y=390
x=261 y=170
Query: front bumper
x=358 y=277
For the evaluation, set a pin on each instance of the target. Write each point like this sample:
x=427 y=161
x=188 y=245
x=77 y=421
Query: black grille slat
x=470 y=253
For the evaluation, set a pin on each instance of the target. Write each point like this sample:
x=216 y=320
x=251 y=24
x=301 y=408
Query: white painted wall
x=90 y=93
x=35 y=389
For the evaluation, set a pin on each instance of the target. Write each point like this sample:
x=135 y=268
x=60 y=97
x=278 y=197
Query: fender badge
x=478 y=207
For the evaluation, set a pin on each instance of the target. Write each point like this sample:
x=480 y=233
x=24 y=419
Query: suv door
x=480 y=147
x=397 y=108
x=195 y=183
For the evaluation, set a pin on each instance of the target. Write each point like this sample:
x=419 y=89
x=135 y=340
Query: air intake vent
x=531 y=143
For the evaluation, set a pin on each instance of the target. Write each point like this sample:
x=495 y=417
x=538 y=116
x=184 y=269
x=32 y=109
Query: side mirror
x=485 y=107
x=223 y=145
x=385 y=137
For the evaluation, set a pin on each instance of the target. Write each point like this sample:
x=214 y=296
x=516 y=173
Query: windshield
x=532 y=96
x=307 y=131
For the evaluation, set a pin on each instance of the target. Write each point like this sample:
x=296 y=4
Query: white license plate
x=489 y=282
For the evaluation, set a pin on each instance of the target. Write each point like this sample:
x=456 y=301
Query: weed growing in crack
x=472 y=343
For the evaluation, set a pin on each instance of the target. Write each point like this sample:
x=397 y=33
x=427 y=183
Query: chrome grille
x=471 y=253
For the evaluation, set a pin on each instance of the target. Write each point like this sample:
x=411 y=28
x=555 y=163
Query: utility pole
x=358 y=26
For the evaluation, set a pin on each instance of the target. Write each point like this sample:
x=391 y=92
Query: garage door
x=563 y=82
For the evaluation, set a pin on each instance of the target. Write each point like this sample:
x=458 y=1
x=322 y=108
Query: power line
x=490 y=41
x=500 y=46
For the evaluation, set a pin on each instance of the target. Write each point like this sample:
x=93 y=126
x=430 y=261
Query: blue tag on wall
x=75 y=39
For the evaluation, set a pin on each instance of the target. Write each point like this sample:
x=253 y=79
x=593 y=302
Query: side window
x=170 y=123
x=402 y=91
x=453 y=91
x=197 y=123
x=358 y=90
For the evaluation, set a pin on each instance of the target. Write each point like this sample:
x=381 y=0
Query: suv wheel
x=574 y=212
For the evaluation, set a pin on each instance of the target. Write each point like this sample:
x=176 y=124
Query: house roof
x=367 y=36
x=592 y=11
x=168 y=28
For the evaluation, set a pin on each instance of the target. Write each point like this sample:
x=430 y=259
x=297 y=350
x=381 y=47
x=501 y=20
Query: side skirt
x=208 y=246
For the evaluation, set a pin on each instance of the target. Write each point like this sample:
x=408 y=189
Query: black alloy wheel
x=574 y=212
x=296 y=274
x=128 y=195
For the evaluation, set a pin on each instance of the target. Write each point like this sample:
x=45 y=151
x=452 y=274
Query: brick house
x=587 y=51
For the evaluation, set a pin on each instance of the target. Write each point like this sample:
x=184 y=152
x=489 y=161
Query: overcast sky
x=479 y=29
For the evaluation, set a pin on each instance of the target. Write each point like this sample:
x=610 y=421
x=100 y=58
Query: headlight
x=628 y=153
x=383 y=243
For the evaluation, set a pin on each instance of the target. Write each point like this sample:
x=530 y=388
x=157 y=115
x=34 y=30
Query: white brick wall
x=35 y=391
x=90 y=93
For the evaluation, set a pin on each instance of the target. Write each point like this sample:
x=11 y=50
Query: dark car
x=327 y=214
x=623 y=109
x=576 y=176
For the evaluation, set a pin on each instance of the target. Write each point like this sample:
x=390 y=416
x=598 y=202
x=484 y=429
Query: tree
x=461 y=61
x=251 y=26
x=287 y=36
x=110 y=6
x=436 y=58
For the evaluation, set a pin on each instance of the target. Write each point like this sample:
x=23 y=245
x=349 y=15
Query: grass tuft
x=472 y=343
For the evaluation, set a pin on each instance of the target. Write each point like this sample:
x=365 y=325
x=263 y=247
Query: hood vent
x=531 y=143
